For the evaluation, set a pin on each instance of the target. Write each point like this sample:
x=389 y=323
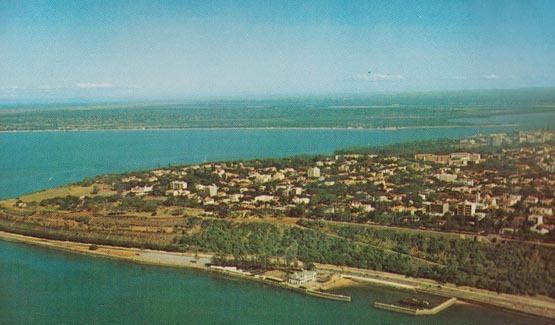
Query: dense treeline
x=261 y=240
x=510 y=267
x=503 y=267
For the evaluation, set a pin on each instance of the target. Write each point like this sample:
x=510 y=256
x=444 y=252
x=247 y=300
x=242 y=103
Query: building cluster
x=507 y=180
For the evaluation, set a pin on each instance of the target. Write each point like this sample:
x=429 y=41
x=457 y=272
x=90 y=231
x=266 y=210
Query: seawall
x=328 y=295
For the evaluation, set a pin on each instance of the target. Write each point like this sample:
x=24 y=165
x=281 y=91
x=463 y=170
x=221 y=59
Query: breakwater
x=416 y=311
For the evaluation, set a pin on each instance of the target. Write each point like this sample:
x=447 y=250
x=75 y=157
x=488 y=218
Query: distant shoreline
x=395 y=128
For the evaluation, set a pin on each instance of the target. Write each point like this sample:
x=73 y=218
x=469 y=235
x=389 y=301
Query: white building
x=264 y=198
x=278 y=177
x=444 y=177
x=302 y=277
x=536 y=219
x=211 y=190
x=261 y=178
x=142 y=190
x=314 y=172
x=235 y=197
x=178 y=185
x=301 y=200
x=467 y=209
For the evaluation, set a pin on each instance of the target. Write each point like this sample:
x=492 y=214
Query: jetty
x=416 y=311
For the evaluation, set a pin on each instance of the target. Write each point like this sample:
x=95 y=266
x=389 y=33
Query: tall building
x=436 y=209
x=466 y=209
x=314 y=172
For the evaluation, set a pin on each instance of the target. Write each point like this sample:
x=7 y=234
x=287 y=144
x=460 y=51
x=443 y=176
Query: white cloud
x=90 y=85
x=490 y=76
x=377 y=77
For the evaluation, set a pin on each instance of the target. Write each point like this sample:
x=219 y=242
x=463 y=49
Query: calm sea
x=42 y=286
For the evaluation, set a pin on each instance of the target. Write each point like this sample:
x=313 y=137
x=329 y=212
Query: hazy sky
x=182 y=48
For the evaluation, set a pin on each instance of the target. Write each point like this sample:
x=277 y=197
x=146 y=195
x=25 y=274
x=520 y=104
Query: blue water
x=39 y=286
x=30 y=161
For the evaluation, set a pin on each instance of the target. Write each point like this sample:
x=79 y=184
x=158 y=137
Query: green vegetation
x=262 y=241
x=503 y=267
x=369 y=111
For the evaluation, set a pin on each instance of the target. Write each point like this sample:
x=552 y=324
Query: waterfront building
x=302 y=277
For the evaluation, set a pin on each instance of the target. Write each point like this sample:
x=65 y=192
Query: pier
x=416 y=311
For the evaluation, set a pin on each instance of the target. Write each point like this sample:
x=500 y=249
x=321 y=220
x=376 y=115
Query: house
x=235 y=197
x=301 y=200
x=536 y=219
x=302 y=277
x=264 y=198
x=142 y=190
x=538 y=226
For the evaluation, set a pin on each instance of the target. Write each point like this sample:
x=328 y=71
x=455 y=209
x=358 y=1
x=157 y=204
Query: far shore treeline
x=374 y=110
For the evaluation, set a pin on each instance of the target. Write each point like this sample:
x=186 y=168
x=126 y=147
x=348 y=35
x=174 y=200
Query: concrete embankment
x=379 y=282
x=327 y=295
x=416 y=311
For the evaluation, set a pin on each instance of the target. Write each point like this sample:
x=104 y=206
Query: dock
x=416 y=311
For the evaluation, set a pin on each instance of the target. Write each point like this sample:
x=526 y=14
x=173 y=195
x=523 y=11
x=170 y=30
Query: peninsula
x=470 y=219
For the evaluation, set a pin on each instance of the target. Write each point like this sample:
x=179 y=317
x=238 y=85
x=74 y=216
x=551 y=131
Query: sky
x=180 y=49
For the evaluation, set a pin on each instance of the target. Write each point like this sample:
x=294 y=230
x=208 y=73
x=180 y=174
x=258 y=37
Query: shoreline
x=531 y=306
x=393 y=128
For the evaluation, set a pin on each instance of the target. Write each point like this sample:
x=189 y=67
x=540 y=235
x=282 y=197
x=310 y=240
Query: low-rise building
x=302 y=277
x=436 y=209
x=448 y=178
x=178 y=185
